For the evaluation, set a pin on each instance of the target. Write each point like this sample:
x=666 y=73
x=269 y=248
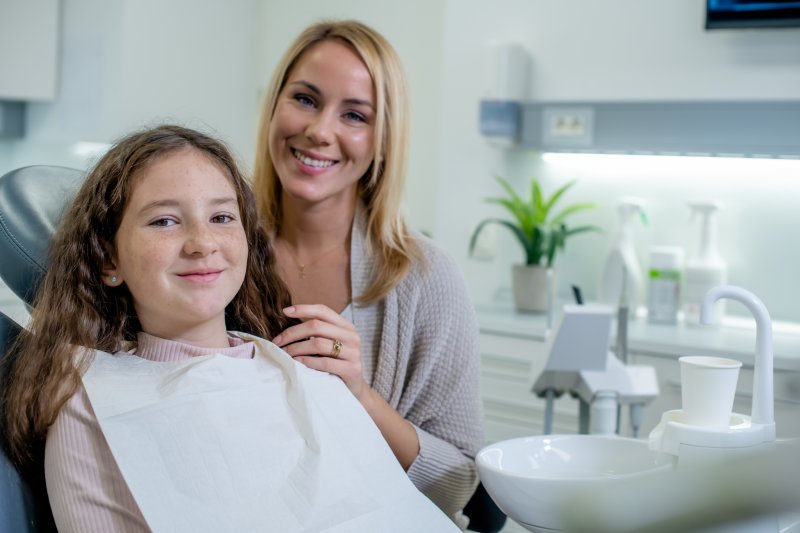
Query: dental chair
x=31 y=203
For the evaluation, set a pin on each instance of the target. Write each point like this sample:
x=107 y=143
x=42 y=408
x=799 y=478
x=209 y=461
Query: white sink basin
x=532 y=479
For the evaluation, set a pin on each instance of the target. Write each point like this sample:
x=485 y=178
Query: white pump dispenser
x=706 y=269
x=622 y=263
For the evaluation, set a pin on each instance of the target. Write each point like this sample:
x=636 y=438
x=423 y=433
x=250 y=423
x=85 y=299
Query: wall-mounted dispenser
x=500 y=111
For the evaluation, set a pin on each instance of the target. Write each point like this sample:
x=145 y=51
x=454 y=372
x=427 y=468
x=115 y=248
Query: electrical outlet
x=568 y=126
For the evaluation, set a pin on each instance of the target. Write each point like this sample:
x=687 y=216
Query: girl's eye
x=222 y=219
x=163 y=222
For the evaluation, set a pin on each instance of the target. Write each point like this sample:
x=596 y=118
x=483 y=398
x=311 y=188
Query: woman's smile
x=316 y=162
x=323 y=126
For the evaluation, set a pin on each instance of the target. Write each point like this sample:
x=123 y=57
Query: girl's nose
x=200 y=241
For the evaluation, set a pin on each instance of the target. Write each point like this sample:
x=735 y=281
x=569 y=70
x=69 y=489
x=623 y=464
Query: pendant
x=301 y=271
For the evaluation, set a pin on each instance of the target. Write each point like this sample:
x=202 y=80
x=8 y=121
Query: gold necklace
x=301 y=267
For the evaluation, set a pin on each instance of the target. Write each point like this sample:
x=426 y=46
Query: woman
x=387 y=310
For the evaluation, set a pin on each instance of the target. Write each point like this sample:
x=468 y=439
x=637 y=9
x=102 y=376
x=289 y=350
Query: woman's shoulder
x=434 y=295
x=434 y=271
x=433 y=259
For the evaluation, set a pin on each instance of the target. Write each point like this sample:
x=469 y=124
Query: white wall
x=644 y=50
x=622 y=50
x=28 y=49
x=129 y=63
x=414 y=29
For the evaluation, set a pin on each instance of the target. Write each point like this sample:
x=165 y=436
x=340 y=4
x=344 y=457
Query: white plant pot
x=529 y=285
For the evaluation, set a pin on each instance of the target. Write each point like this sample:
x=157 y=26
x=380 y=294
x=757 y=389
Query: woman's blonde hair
x=382 y=186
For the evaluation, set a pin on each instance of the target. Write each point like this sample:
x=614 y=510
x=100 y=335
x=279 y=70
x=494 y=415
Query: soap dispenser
x=622 y=268
x=706 y=269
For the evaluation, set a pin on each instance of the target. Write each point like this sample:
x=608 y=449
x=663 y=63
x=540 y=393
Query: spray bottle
x=706 y=269
x=622 y=263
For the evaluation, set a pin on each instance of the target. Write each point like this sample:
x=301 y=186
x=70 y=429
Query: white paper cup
x=708 y=386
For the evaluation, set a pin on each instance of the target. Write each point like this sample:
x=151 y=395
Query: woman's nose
x=321 y=130
x=200 y=241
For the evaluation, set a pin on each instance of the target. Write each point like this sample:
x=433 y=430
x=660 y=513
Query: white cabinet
x=509 y=364
x=28 y=49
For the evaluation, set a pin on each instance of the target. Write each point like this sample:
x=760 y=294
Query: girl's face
x=321 y=136
x=181 y=247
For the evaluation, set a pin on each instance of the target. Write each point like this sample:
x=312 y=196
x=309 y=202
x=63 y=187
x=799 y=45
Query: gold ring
x=337 y=348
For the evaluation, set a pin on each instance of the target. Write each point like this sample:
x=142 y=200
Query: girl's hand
x=325 y=341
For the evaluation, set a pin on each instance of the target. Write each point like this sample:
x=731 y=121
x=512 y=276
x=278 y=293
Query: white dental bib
x=216 y=443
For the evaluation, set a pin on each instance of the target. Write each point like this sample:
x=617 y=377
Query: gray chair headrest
x=32 y=200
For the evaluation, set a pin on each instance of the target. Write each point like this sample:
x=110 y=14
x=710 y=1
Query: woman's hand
x=325 y=341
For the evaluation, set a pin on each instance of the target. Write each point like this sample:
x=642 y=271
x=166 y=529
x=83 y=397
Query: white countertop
x=736 y=338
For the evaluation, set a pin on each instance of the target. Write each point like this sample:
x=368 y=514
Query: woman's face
x=321 y=136
x=181 y=247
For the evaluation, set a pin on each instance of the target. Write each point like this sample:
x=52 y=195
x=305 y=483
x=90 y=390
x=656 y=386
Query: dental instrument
x=580 y=364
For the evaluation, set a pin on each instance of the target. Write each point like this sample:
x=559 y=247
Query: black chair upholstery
x=484 y=515
x=23 y=495
x=15 y=496
x=32 y=200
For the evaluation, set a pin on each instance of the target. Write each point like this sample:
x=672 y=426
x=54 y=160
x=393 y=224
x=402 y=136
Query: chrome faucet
x=762 y=409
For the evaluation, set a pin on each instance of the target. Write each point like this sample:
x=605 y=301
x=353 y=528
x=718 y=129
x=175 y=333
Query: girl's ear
x=111 y=275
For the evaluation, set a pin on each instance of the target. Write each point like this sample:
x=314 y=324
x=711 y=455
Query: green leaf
x=559 y=218
x=519 y=213
x=558 y=194
x=540 y=235
x=520 y=209
x=515 y=230
x=537 y=203
x=582 y=229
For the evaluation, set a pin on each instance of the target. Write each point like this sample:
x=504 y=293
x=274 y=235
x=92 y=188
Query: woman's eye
x=304 y=100
x=355 y=117
x=222 y=219
x=163 y=222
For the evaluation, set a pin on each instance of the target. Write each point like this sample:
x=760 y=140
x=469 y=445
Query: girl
x=187 y=426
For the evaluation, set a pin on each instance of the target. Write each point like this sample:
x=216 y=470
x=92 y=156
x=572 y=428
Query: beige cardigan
x=420 y=352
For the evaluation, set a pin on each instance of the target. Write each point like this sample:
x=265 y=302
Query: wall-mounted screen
x=752 y=13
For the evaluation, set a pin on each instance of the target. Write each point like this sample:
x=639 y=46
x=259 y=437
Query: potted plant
x=541 y=232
